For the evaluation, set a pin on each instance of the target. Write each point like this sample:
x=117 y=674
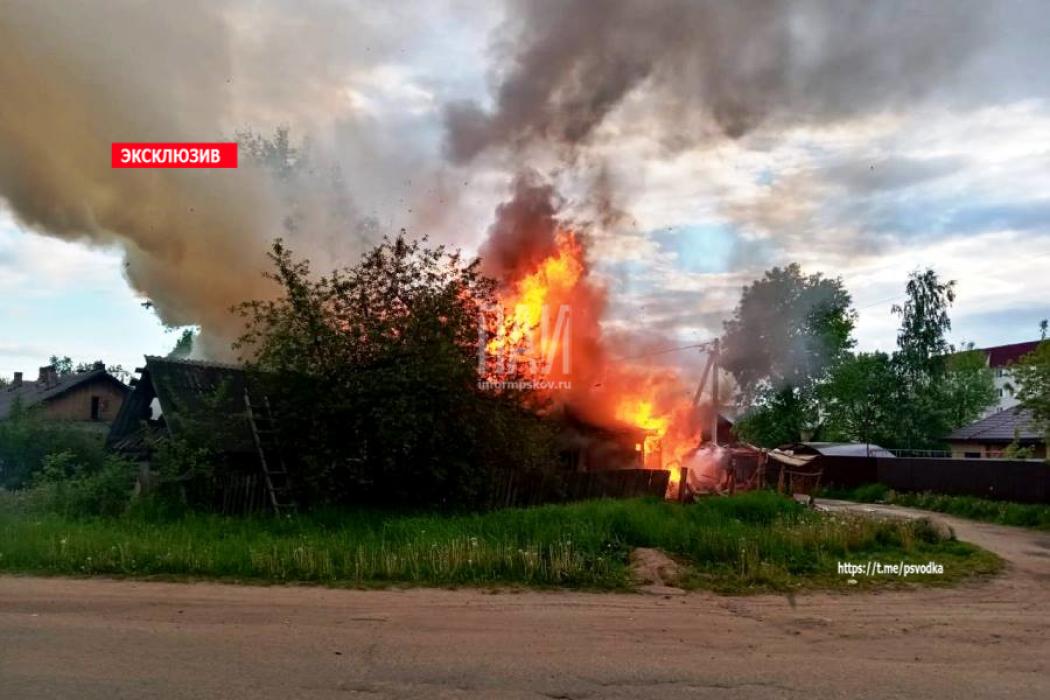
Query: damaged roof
x=192 y=395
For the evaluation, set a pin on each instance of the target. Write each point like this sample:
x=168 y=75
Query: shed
x=180 y=398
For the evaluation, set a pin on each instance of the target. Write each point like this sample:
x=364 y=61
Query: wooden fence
x=999 y=479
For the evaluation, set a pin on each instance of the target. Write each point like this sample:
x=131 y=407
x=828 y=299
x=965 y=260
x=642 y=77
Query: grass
x=1032 y=515
x=750 y=542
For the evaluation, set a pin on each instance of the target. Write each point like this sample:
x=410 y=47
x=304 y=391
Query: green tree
x=1032 y=378
x=63 y=365
x=184 y=345
x=375 y=373
x=968 y=387
x=923 y=418
x=859 y=399
x=786 y=333
x=922 y=346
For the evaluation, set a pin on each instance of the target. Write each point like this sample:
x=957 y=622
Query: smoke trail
x=76 y=77
x=567 y=66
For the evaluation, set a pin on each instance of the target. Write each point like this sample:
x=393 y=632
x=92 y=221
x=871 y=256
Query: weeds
x=750 y=542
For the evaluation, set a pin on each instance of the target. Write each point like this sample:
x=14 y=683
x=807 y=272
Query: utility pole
x=715 y=349
x=712 y=348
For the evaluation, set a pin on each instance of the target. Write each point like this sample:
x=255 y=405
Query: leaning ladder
x=260 y=418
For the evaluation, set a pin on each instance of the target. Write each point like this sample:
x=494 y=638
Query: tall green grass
x=757 y=541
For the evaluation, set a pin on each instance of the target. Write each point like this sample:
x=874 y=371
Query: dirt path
x=97 y=638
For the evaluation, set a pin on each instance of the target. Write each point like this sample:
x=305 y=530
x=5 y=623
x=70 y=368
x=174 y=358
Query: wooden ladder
x=264 y=432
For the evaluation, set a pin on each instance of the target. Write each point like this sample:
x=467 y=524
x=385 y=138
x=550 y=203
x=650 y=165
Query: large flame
x=605 y=391
x=548 y=287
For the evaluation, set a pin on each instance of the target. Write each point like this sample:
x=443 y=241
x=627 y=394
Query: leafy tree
x=922 y=347
x=375 y=372
x=783 y=416
x=788 y=346
x=1032 y=376
x=787 y=332
x=859 y=399
x=62 y=365
x=921 y=362
x=968 y=387
x=184 y=345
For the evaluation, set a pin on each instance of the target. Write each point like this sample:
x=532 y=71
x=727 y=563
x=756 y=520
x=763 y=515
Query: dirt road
x=63 y=638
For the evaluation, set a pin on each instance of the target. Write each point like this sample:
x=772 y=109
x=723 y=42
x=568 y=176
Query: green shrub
x=872 y=493
x=26 y=440
x=1033 y=515
x=67 y=487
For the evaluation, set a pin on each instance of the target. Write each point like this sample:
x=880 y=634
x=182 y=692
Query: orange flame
x=606 y=391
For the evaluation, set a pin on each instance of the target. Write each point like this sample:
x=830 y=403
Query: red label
x=174 y=155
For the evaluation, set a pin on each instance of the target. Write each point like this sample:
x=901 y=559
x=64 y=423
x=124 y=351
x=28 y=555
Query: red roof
x=1003 y=355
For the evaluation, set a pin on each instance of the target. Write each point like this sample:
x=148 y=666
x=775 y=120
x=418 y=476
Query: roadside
x=112 y=639
x=1033 y=515
x=1025 y=551
x=750 y=543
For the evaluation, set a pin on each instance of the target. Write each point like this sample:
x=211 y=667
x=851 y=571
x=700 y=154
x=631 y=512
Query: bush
x=70 y=488
x=26 y=440
x=871 y=493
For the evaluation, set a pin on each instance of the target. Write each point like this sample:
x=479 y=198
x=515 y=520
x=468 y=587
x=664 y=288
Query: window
x=95 y=403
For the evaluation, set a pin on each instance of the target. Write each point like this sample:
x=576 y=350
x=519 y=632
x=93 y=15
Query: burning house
x=619 y=413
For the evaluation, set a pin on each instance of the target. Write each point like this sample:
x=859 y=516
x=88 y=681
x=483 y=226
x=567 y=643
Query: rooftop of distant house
x=1000 y=427
x=48 y=385
x=1003 y=355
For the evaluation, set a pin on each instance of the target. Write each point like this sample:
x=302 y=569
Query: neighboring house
x=999 y=359
x=91 y=397
x=990 y=436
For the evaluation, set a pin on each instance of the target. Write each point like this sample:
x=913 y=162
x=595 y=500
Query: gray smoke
x=710 y=67
x=75 y=77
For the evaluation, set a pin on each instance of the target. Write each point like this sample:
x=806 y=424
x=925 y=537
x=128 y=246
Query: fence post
x=683 y=476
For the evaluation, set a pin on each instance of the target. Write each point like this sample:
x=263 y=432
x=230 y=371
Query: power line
x=665 y=351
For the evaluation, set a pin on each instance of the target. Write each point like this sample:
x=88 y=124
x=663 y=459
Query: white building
x=999 y=359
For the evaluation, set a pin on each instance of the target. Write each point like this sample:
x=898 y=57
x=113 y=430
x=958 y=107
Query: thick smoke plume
x=75 y=77
x=566 y=66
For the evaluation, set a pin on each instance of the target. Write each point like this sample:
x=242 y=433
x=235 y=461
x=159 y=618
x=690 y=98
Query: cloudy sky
x=861 y=140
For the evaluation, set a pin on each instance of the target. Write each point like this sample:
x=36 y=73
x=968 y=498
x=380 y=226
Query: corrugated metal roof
x=848 y=449
x=1000 y=427
x=34 y=393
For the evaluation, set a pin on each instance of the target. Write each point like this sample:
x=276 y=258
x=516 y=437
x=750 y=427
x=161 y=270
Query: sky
x=868 y=176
